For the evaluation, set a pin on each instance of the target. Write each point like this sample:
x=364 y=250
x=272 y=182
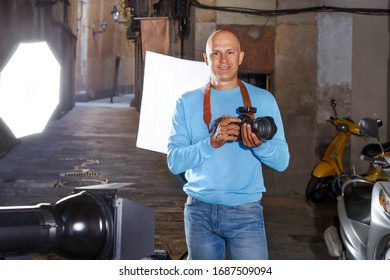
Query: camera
x=264 y=127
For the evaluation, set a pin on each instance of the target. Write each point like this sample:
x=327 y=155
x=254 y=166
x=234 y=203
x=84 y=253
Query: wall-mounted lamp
x=103 y=26
x=128 y=15
x=115 y=15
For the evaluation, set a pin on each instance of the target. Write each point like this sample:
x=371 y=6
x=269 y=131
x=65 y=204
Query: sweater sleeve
x=182 y=154
x=274 y=153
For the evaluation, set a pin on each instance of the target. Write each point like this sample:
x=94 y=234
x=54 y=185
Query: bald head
x=215 y=36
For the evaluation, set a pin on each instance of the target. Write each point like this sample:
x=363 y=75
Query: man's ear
x=241 y=57
x=205 y=58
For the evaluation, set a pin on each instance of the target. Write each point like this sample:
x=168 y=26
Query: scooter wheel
x=318 y=188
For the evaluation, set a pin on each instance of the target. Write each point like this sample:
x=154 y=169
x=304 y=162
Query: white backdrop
x=165 y=79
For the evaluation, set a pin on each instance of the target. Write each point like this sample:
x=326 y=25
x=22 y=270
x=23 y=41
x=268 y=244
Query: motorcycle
x=330 y=171
x=363 y=209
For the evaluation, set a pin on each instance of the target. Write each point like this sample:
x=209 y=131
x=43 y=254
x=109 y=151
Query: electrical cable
x=282 y=12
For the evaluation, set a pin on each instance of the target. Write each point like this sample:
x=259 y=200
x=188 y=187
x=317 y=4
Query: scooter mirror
x=333 y=102
x=333 y=105
x=369 y=127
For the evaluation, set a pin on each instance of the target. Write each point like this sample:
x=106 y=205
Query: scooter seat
x=372 y=150
x=357 y=199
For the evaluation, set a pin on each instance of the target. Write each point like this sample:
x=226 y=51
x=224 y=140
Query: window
x=256 y=79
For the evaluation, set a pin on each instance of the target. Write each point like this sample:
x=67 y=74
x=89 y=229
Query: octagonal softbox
x=29 y=88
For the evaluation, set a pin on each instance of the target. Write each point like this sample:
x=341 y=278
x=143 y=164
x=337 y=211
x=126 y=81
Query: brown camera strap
x=207 y=110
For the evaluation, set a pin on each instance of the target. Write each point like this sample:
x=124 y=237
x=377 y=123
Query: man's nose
x=223 y=57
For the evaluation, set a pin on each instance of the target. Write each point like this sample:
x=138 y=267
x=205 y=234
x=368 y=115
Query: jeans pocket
x=191 y=201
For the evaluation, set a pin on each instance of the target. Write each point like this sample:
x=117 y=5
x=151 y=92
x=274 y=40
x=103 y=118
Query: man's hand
x=227 y=130
x=249 y=139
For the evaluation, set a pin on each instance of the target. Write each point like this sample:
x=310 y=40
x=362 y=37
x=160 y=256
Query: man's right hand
x=227 y=130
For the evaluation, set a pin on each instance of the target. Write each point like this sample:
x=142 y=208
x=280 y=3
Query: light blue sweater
x=232 y=174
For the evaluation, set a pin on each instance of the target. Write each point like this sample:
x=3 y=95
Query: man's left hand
x=249 y=139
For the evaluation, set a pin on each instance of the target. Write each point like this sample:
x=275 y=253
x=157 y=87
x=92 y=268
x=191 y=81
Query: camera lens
x=264 y=128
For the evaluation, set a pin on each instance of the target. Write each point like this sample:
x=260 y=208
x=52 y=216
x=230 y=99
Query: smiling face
x=223 y=55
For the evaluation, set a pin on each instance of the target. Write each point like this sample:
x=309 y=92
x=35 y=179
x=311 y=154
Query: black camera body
x=264 y=127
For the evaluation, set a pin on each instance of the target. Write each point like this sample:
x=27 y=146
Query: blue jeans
x=211 y=229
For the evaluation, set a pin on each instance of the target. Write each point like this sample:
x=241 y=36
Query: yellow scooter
x=330 y=170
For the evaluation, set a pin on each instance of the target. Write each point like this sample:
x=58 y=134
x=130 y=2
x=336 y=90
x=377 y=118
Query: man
x=222 y=159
